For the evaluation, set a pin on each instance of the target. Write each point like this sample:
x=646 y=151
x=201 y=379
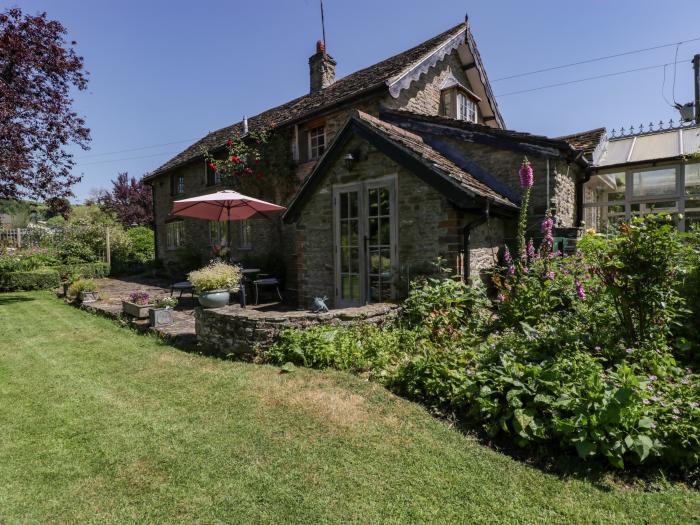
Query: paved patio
x=182 y=332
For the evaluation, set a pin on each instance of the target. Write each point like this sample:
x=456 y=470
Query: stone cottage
x=382 y=171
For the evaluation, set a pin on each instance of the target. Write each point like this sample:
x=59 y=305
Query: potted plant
x=137 y=305
x=162 y=312
x=214 y=282
x=85 y=290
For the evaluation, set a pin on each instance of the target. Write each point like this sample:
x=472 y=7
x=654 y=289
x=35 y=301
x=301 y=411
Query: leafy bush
x=215 y=276
x=41 y=279
x=141 y=244
x=445 y=308
x=355 y=348
x=95 y=270
x=639 y=269
x=82 y=285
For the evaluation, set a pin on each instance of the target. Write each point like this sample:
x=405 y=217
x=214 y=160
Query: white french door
x=365 y=241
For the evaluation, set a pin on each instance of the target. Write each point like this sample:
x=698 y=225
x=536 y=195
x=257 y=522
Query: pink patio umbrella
x=226 y=205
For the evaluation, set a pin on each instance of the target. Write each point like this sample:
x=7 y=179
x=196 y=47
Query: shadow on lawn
x=563 y=466
x=10 y=299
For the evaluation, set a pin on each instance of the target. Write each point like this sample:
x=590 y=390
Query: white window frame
x=317 y=141
x=466 y=108
x=180 y=186
x=678 y=195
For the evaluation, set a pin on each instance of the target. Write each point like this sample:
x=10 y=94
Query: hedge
x=94 y=270
x=41 y=279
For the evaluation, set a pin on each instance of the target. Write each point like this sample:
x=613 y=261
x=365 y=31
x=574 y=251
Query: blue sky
x=165 y=72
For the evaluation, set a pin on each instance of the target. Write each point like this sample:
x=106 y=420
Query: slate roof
x=586 y=141
x=342 y=90
x=419 y=150
x=416 y=144
x=518 y=136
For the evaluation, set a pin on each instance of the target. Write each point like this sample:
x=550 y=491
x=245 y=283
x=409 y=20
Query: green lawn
x=98 y=424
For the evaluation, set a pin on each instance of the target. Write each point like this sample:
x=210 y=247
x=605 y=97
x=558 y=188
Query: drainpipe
x=466 y=237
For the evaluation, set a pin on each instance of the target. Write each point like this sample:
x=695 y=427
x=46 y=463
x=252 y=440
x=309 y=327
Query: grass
x=98 y=424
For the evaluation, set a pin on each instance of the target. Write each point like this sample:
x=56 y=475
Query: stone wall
x=233 y=330
x=429 y=226
x=504 y=165
x=423 y=96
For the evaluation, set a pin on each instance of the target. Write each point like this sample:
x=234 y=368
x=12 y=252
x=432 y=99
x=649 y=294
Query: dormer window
x=466 y=108
x=458 y=102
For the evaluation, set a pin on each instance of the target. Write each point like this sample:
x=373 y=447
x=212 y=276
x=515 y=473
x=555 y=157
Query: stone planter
x=87 y=297
x=140 y=311
x=160 y=316
x=214 y=298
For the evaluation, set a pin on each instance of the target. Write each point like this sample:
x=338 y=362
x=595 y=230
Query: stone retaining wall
x=233 y=330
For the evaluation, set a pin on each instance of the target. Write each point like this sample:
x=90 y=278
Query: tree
x=130 y=200
x=56 y=206
x=38 y=69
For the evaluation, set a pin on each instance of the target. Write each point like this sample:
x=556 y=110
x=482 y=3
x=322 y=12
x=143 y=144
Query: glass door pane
x=349 y=246
x=379 y=267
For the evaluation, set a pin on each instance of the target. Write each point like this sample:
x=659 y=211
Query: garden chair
x=266 y=282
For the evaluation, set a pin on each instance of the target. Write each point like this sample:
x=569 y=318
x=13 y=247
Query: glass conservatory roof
x=648 y=147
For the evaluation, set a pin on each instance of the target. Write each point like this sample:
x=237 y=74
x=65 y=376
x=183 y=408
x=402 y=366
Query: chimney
x=321 y=68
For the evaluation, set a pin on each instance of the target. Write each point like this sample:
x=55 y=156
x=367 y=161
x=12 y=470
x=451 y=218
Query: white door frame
x=362 y=188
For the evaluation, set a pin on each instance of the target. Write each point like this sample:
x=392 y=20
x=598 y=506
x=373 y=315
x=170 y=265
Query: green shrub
x=96 y=270
x=356 y=348
x=82 y=285
x=445 y=308
x=41 y=279
x=141 y=244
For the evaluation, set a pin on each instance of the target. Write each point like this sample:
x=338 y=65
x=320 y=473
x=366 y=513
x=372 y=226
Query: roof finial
x=245 y=125
x=466 y=18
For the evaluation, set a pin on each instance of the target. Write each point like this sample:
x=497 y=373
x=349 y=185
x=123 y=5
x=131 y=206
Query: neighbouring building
x=382 y=171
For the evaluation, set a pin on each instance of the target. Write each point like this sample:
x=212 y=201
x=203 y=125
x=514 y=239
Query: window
x=175 y=234
x=246 y=239
x=466 y=108
x=447 y=103
x=317 y=142
x=218 y=233
x=611 y=198
x=177 y=184
x=212 y=177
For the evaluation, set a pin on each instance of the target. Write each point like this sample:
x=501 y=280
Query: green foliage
x=639 y=269
x=40 y=279
x=445 y=308
x=355 y=348
x=82 y=285
x=165 y=302
x=141 y=244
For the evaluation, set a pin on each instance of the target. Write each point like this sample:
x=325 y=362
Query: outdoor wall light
x=349 y=161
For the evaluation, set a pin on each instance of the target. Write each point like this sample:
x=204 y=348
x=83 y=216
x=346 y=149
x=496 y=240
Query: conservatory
x=655 y=172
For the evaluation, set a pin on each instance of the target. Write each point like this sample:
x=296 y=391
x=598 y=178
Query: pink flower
x=550 y=275
x=507 y=256
x=580 y=292
x=525 y=172
x=531 y=249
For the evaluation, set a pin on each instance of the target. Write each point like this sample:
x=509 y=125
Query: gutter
x=466 y=238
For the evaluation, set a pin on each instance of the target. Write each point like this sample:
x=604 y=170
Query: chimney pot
x=320 y=47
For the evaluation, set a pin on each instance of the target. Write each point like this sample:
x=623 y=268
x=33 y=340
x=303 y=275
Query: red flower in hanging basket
x=213 y=166
x=247 y=171
x=229 y=143
x=235 y=159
